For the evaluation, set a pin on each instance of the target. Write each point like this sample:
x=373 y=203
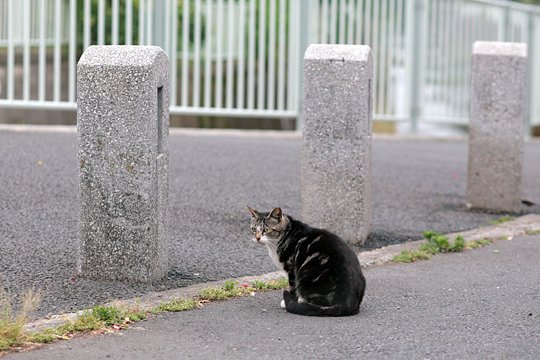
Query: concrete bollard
x=336 y=152
x=123 y=126
x=496 y=126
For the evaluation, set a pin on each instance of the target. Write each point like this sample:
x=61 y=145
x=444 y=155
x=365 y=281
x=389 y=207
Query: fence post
x=507 y=24
x=303 y=43
x=496 y=125
x=415 y=46
x=336 y=152
x=158 y=19
x=531 y=54
x=122 y=126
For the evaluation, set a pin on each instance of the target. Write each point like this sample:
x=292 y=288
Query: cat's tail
x=307 y=309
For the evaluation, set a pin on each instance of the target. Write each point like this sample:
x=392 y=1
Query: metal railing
x=444 y=34
x=243 y=58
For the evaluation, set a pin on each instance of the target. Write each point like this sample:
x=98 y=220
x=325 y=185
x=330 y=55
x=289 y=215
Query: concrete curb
x=241 y=133
x=72 y=129
x=62 y=129
x=524 y=225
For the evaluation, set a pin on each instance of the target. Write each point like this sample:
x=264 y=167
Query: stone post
x=336 y=152
x=123 y=126
x=496 y=125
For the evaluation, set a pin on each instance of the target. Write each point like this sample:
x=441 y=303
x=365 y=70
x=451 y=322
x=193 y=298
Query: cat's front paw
x=282 y=304
x=287 y=297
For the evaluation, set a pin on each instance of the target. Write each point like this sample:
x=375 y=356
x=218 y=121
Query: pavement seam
x=290 y=134
x=521 y=226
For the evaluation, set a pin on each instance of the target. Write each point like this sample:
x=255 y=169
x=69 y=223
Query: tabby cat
x=324 y=273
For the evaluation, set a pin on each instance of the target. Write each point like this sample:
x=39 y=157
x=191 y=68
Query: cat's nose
x=258 y=237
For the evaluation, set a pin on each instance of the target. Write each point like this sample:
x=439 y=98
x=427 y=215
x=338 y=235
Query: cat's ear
x=277 y=214
x=254 y=213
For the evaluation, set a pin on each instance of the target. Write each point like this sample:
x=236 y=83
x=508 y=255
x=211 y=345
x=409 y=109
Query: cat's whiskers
x=272 y=242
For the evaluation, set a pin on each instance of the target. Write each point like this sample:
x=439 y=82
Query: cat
x=325 y=278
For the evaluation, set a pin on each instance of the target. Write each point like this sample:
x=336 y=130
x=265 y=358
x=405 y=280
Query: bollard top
x=500 y=48
x=122 y=55
x=342 y=53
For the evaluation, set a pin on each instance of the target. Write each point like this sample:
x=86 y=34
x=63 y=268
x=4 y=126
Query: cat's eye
x=253 y=229
x=267 y=229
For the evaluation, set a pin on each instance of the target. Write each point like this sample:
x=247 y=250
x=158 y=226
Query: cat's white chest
x=274 y=256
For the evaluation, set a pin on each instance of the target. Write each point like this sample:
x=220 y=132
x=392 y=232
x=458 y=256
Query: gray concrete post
x=123 y=126
x=336 y=153
x=496 y=125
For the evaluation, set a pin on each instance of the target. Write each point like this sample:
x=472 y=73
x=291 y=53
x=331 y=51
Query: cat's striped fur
x=324 y=273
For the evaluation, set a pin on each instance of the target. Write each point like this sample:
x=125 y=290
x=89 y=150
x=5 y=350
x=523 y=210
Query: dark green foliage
x=437 y=243
x=533 y=2
x=459 y=244
x=108 y=314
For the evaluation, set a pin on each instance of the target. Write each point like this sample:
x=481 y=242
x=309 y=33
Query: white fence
x=243 y=58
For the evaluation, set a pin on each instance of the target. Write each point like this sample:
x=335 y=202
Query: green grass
x=501 y=220
x=231 y=289
x=108 y=314
x=278 y=284
x=459 y=244
x=111 y=315
x=12 y=322
x=177 y=305
x=533 y=232
x=99 y=318
x=477 y=243
x=227 y=291
x=106 y=318
x=408 y=256
x=437 y=244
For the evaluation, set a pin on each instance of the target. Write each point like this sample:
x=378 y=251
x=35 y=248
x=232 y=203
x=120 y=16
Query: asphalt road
x=418 y=185
x=481 y=304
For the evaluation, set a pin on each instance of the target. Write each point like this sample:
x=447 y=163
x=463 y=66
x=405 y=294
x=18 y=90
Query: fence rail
x=242 y=58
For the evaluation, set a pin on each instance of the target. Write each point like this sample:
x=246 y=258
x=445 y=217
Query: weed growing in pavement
x=177 y=305
x=436 y=244
x=101 y=319
x=501 y=220
x=227 y=291
x=231 y=289
x=278 y=284
x=98 y=319
x=408 y=256
x=12 y=322
x=477 y=243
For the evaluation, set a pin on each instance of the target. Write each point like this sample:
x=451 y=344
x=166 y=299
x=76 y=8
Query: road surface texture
x=418 y=185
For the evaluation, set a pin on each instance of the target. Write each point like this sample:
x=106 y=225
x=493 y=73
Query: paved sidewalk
x=480 y=304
